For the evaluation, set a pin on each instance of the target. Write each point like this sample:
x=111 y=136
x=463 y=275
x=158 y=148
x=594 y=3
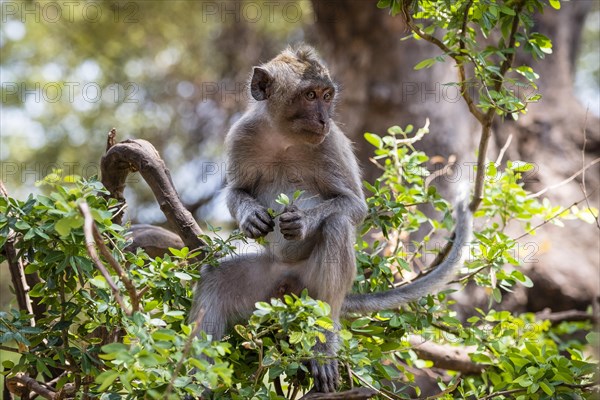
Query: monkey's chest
x=288 y=182
x=287 y=177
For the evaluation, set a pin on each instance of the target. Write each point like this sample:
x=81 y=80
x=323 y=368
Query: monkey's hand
x=256 y=222
x=293 y=223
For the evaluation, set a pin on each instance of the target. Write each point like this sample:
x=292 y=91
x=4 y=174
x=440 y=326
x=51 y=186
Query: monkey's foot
x=325 y=375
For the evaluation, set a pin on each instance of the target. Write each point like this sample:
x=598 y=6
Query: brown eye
x=328 y=96
x=311 y=95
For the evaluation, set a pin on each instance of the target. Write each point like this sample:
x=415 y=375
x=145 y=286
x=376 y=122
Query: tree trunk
x=380 y=88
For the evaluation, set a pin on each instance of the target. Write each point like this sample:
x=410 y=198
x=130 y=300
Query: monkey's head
x=298 y=92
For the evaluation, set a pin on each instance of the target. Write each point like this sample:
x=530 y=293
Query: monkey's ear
x=260 y=85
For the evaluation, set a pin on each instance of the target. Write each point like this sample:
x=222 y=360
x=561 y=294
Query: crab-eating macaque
x=284 y=142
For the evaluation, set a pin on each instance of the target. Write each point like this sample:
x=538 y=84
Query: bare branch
x=583 y=186
x=553 y=217
x=88 y=231
x=569 y=315
x=503 y=150
x=564 y=182
x=135 y=302
x=21 y=384
x=445 y=356
x=139 y=155
x=17 y=269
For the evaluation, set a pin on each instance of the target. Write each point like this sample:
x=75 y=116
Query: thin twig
x=441 y=172
x=461 y=67
x=489 y=117
x=457 y=57
x=556 y=215
x=448 y=390
x=504 y=392
x=367 y=384
x=418 y=136
x=21 y=382
x=583 y=186
x=88 y=231
x=564 y=182
x=135 y=302
x=503 y=150
x=17 y=269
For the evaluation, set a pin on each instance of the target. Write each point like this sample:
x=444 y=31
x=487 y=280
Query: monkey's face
x=308 y=114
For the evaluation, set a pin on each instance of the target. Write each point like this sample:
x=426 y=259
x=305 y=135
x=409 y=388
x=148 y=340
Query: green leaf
x=296 y=337
x=428 y=62
x=548 y=389
x=106 y=379
x=183 y=276
x=556 y=5
x=384 y=3
x=297 y=194
x=481 y=358
x=114 y=348
x=99 y=282
x=283 y=199
x=374 y=140
x=360 y=323
x=64 y=225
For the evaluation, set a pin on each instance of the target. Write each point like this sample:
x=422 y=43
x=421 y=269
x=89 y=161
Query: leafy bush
x=87 y=340
x=124 y=335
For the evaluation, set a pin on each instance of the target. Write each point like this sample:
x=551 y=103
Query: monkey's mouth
x=312 y=137
x=316 y=129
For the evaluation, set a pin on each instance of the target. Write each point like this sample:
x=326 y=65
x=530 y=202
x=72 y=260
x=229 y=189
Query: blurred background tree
x=174 y=73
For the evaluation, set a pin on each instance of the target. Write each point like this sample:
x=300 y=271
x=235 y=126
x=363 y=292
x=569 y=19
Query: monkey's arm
x=253 y=219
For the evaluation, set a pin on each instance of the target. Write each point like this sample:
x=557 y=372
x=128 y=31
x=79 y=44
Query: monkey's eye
x=327 y=97
x=311 y=95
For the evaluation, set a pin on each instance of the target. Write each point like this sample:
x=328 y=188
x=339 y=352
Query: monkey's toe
x=326 y=376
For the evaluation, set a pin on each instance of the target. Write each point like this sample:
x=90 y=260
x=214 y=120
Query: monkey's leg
x=227 y=293
x=331 y=271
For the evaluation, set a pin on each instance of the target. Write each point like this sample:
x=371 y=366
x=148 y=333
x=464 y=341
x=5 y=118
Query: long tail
x=434 y=281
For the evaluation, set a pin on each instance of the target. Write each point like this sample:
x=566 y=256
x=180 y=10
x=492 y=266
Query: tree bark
x=380 y=88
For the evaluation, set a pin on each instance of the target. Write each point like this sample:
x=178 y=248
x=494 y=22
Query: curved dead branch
x=129 y=156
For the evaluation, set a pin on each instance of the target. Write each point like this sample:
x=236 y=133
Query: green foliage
x=83 y=335
x=482 y=36
x=81 y=319
x=155 y=353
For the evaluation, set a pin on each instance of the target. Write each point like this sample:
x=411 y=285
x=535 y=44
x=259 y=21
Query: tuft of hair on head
x=305 y=53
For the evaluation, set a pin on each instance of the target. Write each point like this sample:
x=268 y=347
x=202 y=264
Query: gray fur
x=280 y=145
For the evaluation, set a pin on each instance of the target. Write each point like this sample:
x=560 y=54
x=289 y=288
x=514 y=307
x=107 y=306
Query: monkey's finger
x=261 y=226
x=290 y=225
x=288 y=217
x=314 y=370
x=290 y=209
x=254 y=231
x=264 y=217
x=333 y=376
